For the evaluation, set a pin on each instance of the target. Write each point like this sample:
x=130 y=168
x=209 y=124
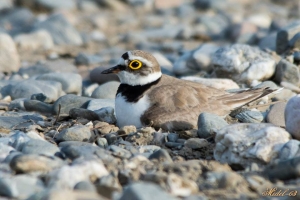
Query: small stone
x=9 y=57
x=18 y=139
x=107 y=185
x=250 y=116
x=106 y=91
x=10 y=122
x=102 y=142
x=76 y=133
x=40 y=97
x=38 y=106
x=173 y=144
x=291 y=149
x=276 y=114
x=196 y=143
x=208 y=124
x=87 y=59
x=83 y=113
x=231 y=180
x=288 y=72
x=80 y=149
x=71 y=82
x=62 y=32
x=283 y=170
x=145 y=191
x=4 y=151
x=161 y=155
x=33 y=163
x=106 y=114
x=285 y=34
x=172 y=137
x=111 y=138
x=34 y=146
x=85 y=186
x=237 y=143
x=119 y=152
x=70 y=101
x=292 y=117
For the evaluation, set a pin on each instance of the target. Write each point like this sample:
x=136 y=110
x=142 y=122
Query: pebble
x=106 y=91
x=18 y=139
x=20 y=186
x=40 y=97
x=38 y=106
x=144 y=191
x=10 y=122
x=292 y=117
x=250 y=116
x=76 y=133
x=71 y=82
x=236 y=143
x=243 y=63
x=34 y=146
x=70 y=101
x=283 y=170
x=161 y=155
x=85 y=186
x=111 y=138
x=219 y=83
x=209 y=123
x=106 y=114
x=9 y=57
x=76 y=113
x=276 y=114
x=87 y=59
x=119 y=152
x=80 y=150
x=97 y=104
x=5 y=151
x=102 y=142
x=173 y=144
x=107 y=185
x=172 y=137
x=27 y=163
x=97 y=77
x=62 y=32
x=288 y=72
x=290 y=150
x=285 y=34
x=196 y=143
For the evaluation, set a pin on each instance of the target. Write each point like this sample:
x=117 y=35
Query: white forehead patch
x=143 y=60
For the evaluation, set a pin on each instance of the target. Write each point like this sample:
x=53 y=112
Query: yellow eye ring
x=135 y=64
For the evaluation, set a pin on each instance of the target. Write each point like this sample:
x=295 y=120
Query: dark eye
x=135 y=64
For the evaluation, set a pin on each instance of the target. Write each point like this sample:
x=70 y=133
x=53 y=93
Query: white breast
x=130 y=113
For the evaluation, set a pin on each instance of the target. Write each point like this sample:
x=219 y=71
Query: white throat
x=136 y=79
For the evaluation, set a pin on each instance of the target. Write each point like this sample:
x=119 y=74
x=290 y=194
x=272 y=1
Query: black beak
x=113 y=70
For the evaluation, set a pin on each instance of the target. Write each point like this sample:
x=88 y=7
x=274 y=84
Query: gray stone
x=286 y=71
x=20 y=186
x=276 y=114
x=60 y=29
x=76 y=133
x=85 y=150
x=71 y=82
x=145 y=191
x=111 y=138
x=9 y=57
x=27 y=163
x=102 y=142
x=173 y=144
x=243 y=63
x=106 y=114
x=17 y=104
x=291 y=149
x=208 y=123
x=5 y=151
x=83 y=113
x=172 y=137
x=26 y=89
x=292 y=117
x=6 y=4
x=285 y=34
x=196 y=143
x=70 y=101
x=161 y=155
x=106 y=91
x=268 y=42
x=56 y=4
x=119 y=152
x=97 y=104
x=40 y=97
x=38 y=106
x=11 y=122
x=34 y=70
x=35 y=146
x=18 y=139
x=284 y=170
x=107 y=185
x=87 y=59
x=97 y=77
x=85 y=186
x=249 y=116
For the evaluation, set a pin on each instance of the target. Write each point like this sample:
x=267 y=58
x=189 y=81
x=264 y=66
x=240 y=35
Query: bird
x=146 y=97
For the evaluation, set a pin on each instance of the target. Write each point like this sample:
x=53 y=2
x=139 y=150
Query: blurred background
x=182 y=34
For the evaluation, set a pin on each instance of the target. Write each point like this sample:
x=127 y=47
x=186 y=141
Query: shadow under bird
x=146 y=97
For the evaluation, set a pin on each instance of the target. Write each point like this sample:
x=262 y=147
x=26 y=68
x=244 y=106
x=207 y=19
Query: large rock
x=9 y=57
x=244 y=144
x=243 y=63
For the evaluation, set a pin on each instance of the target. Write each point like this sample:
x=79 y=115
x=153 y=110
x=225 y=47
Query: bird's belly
x=128 y=113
